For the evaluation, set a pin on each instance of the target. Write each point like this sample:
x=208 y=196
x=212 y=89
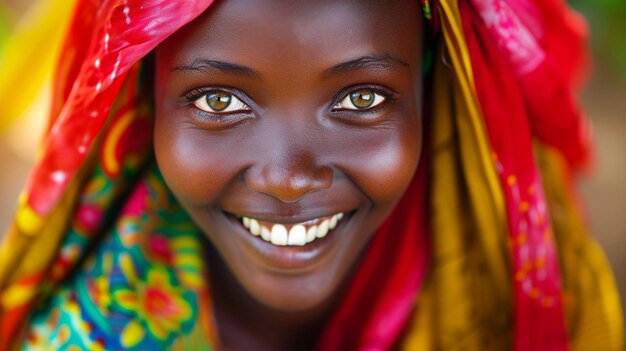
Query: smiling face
x=288 y=130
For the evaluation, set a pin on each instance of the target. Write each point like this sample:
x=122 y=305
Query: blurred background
x=604 y=100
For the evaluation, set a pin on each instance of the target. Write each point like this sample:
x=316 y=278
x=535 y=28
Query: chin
x=292 y=294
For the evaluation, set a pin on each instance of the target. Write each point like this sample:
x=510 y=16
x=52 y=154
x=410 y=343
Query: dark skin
x=294 y=143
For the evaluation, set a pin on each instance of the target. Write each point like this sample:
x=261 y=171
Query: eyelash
x=389 y=96
x=196 y=93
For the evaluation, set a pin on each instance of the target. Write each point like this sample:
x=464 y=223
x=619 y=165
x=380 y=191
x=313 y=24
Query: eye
x=360 y=99
x=220 y=101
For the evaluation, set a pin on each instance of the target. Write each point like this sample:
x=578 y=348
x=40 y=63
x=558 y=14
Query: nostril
x=324 y=177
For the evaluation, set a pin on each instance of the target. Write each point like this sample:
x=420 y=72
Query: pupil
x=362 y=98
x=219 y=100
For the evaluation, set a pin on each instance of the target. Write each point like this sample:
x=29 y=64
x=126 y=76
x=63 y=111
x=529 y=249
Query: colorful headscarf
x=489 y=251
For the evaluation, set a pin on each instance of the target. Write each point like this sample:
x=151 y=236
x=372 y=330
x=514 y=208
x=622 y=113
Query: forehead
x=262 y=32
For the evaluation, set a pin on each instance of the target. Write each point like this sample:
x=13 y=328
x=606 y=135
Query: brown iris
x=219 y=100
x=362 y=98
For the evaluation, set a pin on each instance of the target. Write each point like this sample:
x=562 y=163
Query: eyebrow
x=207 y=65
x=385 y=61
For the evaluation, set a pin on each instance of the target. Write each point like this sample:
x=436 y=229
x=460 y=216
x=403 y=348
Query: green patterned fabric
x=140 y=289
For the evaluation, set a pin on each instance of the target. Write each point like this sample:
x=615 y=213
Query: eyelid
x=196 y=95
x=378 y=99
x=382 y=96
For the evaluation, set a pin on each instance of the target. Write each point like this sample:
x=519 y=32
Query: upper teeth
x=297 y=234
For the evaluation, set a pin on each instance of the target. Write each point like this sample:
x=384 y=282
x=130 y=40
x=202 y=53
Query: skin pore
x=288 y=112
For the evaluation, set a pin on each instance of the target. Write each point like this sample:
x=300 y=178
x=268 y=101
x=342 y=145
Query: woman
x=300 y=195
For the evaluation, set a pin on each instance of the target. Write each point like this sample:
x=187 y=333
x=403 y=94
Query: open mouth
x=295 y=234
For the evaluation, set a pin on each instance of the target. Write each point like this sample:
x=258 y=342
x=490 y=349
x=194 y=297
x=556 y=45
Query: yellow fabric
x=7 y=17
x=463 y=303
x=24 y=252
x=592 y=303
x=487 y=197
x=30 y=55
x=466 y=302
x=24 y=255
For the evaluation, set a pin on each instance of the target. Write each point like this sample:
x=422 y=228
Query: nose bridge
x=287 y=167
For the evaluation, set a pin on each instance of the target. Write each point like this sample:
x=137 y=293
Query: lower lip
x=289 y=259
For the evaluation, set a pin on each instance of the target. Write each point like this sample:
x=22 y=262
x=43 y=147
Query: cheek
x=390 y=164
x=188 y=160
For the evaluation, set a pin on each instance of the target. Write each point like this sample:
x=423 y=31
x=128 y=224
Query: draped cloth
x=489 y=249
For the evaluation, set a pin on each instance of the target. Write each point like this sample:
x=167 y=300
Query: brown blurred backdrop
x=604 y=101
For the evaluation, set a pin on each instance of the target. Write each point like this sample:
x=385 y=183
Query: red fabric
x=549 y=91
x=106 y=38
x=526 y=56
x=382 y=295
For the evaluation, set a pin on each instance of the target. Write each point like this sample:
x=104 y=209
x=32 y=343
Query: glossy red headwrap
x=525 y=57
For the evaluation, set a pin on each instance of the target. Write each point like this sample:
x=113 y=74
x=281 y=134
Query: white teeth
x=279 y=235
x=266 y=234
x=311 y=234
x=322 y=230
x=333 y=222
x=297 y=235
x=255 y=227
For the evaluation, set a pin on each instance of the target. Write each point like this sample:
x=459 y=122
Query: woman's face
x=279 y=120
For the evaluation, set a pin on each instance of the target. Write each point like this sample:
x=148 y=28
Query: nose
x=289 y=175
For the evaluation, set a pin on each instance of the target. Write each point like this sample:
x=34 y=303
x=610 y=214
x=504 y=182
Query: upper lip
x=243 y=203
x=284 y=218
